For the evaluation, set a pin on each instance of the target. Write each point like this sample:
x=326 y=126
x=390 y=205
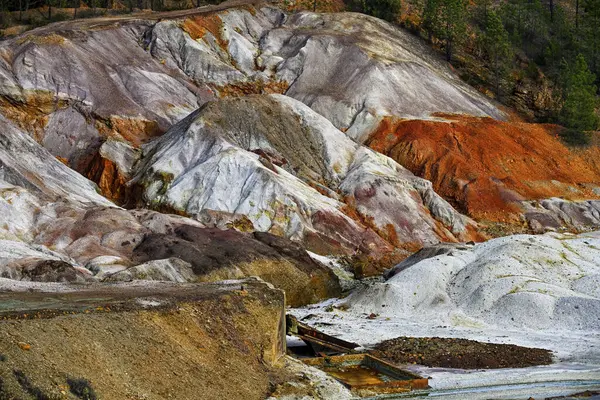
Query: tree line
x=14 y=11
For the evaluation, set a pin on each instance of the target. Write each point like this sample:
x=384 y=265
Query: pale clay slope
x=35 y=187
x=23 y=162
x=151 y=74
x=273 y=146
x=354 y=69
x=82 y=79
x=54 y=226
x=533 y=282
x=544 y=284
x=351 y=68
x=144 y=73
x=535 y=291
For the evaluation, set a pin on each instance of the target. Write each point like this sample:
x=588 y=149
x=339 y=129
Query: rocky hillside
x=172 y=115
x=56 y=227
x=498 y=171
x=557 y=276
x=299 y=178
x=243 y=140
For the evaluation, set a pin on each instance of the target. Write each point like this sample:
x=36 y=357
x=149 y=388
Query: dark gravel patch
x=459 y=353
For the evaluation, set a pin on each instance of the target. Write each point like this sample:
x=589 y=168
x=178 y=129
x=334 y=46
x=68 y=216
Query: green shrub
x=575 y=137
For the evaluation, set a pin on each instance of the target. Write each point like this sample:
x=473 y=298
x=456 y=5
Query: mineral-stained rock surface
x=99 y=243
x=214 y=255
x=260 y=163
x=295 y=171
x=71 y=89
x=119 y=83
x=236 y=138
x=490 y=169
x=56 y=227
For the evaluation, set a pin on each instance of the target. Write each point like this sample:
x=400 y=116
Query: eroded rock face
x=97 y=95
x=351 y=68
x=555 y=214
x=131 y=80
x=27 y=262
x=24 y=163
x=110 y=244
x=355 y=69
x=92 y=82
x=46 y=205
x=496 y=171
x=214 y=254
x=73 y=85
x=298 y=177
x=119 y=245
x=170 y=269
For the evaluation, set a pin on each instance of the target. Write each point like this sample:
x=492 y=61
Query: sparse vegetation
x=3 y=394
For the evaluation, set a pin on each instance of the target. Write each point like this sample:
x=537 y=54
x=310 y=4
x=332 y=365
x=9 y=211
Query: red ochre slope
x=484 y=166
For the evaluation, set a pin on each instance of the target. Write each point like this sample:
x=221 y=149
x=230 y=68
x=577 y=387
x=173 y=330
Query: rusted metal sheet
x=319 y=341
x=363 y=373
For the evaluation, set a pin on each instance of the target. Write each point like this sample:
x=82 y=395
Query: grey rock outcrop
x=297 y=175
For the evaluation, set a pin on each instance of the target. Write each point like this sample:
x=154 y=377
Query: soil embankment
x=157 y=341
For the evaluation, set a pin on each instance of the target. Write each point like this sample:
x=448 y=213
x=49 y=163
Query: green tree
x=562 y=43
x=580 y=100
x=384 y=9
x=454 y=26
x=497 y=48
x=482 y=7
x=430 y=17
x=590 y=32
x=446 y=20
x=528 y=23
